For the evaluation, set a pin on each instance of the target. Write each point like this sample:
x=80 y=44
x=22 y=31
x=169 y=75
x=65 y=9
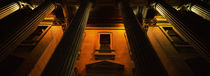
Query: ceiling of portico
x=106 y=12
x=108 y=2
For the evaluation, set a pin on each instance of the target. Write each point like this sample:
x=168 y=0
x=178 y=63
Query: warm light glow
x=9 y=9
x=204 y=14
x=49 y=18
x=159 y=24
x=135 y=10
x=90 y=44
x=161 y=21
x=45 y=23
x=105 y=28
x=160 y=18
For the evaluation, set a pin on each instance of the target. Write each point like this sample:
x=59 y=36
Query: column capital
x=24 y=4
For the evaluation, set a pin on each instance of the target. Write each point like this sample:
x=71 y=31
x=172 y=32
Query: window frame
x=170 y=38
x=98 y=45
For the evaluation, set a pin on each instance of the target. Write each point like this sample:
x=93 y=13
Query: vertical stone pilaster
x=200 y=10
x=182 y=26
x=63 y=60
x=8 y=9
x=18 y=29
x=146 y=60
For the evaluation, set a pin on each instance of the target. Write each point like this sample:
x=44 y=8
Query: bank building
x=105 y=38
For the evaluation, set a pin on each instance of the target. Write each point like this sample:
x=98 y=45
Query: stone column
x=8 y=9
x=20 y=27
x=146 y=60
x=63 y=60
x=200 y=10
x=183 y=27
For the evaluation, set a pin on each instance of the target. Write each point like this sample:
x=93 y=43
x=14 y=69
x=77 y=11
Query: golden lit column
x=200 y=10
x=19 y=28
x=10 y=8
x=63 y=60
x=175 y=18
x=146 y=60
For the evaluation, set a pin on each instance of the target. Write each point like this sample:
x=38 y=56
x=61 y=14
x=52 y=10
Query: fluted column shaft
x=8 y=9
x=200 y=10
x=146 y=60
x=63 y=60
x=18 y=29
x=182 y=26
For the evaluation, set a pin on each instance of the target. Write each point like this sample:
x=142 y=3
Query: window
x=173 y=35
x=105 y=52
x=104 y=41
x=33 y=39
x=186 y=49
x=37 y=33
x=181 y=45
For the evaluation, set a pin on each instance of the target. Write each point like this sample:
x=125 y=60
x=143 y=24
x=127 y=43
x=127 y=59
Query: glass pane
x=169 y=30
x=177 y=39
x=185 y=50
x=105 y=41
